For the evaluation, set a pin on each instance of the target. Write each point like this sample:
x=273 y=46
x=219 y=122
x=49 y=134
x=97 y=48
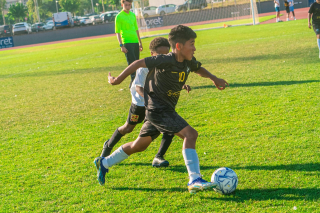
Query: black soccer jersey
x=286 y=4
x=315 y=11
x=165 y=80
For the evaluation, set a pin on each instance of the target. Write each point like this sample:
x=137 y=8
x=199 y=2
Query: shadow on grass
x=260 y=84
x=308 y=167
x=241 y=195
x=271 y=194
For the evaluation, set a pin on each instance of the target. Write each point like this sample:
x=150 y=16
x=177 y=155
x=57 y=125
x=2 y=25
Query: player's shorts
x=162 y=122
x=277 y=9
x=136 y=114
x=291 y=8
x=316 y=28
x=287 y=9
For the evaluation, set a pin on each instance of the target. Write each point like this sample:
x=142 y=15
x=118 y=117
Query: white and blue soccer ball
x=226 y=179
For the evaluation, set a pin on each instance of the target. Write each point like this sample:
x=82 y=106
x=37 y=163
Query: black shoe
x=106 y=149
x=160 y=162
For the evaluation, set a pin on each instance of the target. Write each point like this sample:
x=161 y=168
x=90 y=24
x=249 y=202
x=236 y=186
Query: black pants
x=132 y=55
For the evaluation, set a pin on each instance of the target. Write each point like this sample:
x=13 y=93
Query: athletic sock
x=318 y=40
x=114 y=138
x=165 y=143
x=192 y=163
x=115 y=158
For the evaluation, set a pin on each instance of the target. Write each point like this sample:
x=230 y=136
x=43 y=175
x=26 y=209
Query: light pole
x=57 y=6
x=97 y=4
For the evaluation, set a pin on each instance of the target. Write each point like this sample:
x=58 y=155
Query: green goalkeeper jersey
x=126 y=25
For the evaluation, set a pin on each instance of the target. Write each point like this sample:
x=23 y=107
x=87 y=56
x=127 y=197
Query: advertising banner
x=153 y=22
x=6 y=42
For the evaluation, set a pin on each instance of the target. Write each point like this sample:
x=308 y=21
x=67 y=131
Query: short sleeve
x=157 y=61
x=311 y=9
x=194 y=65
x=141 y=76
x=117 y=25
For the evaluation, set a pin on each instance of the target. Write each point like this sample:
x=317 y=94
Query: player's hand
x=140 y=47
x=186 y=87
x=309 y=25
x=123 y=49
x=220 y=83
x=111 y=79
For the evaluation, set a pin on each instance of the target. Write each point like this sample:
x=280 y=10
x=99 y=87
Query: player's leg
x=288 y=13
x=159 y=160
x=147 y=134
x=316 y=28
x=196 y=183
x=132 y=55
x=318 y=40
x=292 y=11
x=277 y=14
x=136 y=115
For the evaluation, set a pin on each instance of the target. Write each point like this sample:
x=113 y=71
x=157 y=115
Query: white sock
x=192 y=163
x=318 y=43
x=115 y=158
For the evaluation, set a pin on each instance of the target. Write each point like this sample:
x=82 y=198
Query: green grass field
x=57 y=109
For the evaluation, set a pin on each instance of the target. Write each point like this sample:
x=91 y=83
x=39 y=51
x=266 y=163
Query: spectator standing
x=277 y=8
x=286 y=5
x=291 y=8
x=126 y=28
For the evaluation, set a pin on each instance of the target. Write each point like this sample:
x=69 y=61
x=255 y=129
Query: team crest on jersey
x=188 y=70
x=134 y=118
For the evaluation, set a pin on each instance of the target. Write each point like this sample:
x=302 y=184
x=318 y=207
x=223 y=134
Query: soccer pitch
x=57 y=109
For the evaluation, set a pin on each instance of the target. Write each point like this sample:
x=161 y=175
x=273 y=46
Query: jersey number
x=182 y=76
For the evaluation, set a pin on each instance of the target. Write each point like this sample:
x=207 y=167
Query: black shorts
x=288 y=9
x=136 y=114
x=162 y=122
x=316 y=28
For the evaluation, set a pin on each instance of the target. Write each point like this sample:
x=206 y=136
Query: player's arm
x=218 y=82
x=309 y=20
x=140 y=91
x=140 y=43
x=128 y=71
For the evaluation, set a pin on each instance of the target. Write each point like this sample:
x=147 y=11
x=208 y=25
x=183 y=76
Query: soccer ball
x=226 y=179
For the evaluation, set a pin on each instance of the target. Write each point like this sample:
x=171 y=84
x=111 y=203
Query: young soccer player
x=291 y=8
x=136 y=115
x=314 y=11
x=128 y=36
x=168 y=73
x=286 y=5
x=277 y=8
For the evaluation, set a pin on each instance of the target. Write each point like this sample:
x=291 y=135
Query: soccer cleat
x=199 y=184
x=101 y=170
x=160 y=162
x=106 y=149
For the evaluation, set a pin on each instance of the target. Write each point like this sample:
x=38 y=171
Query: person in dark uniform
x=167 y=74
x=137 y=110
x=314 y=11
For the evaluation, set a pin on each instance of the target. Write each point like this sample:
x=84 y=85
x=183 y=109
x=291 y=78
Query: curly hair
x=158 y=42
x=123 y=1
x=180 y=34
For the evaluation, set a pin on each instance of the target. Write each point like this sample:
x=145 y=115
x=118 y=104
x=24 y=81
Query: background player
x=291 y=8
x=167 y=75
x=314 y=11
x=126 y=29
x=136 y=115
